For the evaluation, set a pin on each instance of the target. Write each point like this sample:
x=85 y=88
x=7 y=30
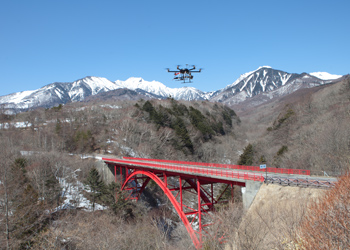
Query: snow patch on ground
x=110 y=106
x=72 y=194
x=16 y=125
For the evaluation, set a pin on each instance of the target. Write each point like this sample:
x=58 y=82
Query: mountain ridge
x=263 y=80
x=268 y=81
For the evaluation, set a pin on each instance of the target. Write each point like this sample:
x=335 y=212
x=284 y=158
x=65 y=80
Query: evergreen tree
x=200 y=122
x=227 y=117
x=58 y=127
x=247 y=157
x=96 y=185
x=27 y=215
x=182 y=133
x=114 y=198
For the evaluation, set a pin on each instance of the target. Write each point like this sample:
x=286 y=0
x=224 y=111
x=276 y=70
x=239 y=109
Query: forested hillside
x=159 y=129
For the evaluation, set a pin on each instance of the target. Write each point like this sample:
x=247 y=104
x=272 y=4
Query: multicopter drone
x=184 y=73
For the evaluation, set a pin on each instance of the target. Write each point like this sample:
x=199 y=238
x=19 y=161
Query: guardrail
x=193 y=170
x=228 y=166
x=300 y=182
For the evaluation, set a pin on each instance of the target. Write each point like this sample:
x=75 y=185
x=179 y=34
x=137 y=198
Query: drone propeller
x=184 y=74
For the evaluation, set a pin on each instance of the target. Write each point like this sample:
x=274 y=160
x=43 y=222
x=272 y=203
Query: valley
x=306 y=128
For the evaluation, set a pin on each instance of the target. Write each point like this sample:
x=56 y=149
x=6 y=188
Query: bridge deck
x=226 y=172
x=189 y=170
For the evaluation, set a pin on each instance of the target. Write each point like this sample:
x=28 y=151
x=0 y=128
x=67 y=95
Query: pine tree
x=96 y=185
x=114 y=198
x=247 y=157
x=27 y=214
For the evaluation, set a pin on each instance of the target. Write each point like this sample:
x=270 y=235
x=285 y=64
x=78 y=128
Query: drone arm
x=173 y=71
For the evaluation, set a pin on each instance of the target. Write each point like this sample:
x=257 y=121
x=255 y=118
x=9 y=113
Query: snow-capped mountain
x=158 y=88
x=58 y=93
x=262 y=81
x=270 y=82
x=61 y=93
x=325 y=76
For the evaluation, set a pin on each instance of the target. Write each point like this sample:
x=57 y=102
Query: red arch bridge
x=198 y=179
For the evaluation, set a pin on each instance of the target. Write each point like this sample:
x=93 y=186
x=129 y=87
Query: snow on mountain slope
x=158 y=88
x=153 y=87
x=61 y=93
x=262 y=80
x=265 y=80
x=58 y=93
x=245 y=75
x=188 y=93
x=90 y=85
x=16 y=97
x=325 y=75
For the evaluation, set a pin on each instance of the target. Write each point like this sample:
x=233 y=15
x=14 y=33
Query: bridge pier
x=249 y=192
x=105 y=172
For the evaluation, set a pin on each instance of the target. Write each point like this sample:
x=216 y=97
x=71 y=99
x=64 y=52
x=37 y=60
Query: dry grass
x=273 y=218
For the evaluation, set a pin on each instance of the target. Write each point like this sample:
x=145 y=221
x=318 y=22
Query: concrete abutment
x=249 y=192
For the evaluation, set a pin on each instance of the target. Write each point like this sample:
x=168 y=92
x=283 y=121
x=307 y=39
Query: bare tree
x=7 y=155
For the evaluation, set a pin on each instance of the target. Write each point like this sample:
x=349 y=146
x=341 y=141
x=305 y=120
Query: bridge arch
x=172 y=199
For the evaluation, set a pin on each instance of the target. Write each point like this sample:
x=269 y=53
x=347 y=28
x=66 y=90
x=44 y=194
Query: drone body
x=184 y=74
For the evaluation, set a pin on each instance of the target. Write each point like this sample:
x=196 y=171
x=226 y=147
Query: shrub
x=282 y=150
x=327 y=225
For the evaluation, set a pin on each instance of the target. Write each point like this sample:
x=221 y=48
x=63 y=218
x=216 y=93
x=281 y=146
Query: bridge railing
x=192 y=170
x=227 y=166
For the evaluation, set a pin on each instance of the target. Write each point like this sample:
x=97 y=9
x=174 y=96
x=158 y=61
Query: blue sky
x=61 y=41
